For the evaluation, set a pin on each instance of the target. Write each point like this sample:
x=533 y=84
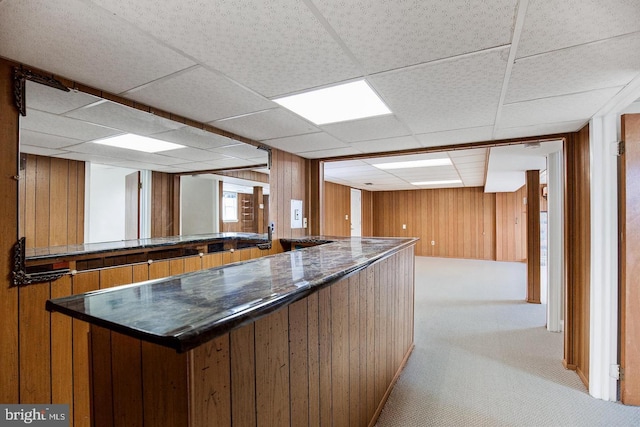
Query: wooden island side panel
x=329 y=359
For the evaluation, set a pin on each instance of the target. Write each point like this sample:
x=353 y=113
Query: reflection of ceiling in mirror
x=63 y=124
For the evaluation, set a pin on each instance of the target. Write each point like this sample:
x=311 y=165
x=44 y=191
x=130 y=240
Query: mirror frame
x=21 y=74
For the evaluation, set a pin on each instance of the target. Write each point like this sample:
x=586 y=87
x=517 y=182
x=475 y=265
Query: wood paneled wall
x=577 y=252
x=53 y=348
x=533 y=230
x=367 y=213
x=51 y=210
x=287 y=182
x=459 y=221
x=329 y=359
x=9 y=347
x=337 y=209
x=165 y=204
x=511 y=226
x=629 y=226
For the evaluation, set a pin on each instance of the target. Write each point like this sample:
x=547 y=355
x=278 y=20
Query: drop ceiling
x=451 y=72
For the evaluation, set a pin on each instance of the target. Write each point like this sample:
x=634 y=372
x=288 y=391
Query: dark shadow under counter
x=184 y=311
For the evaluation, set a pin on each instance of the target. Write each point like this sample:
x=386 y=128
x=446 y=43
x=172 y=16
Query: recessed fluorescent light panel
x=334 y=104
x=425 y=163
x=138 y=143
x=446 y=182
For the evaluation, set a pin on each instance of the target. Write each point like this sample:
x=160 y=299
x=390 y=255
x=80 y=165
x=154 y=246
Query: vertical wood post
x=315 y=194
x=9 y=386
x=533 y=236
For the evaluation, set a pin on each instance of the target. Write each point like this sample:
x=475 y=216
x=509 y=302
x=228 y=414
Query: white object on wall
x=296 y=213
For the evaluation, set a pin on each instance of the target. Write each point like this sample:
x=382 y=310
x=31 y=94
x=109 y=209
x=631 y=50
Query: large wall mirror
x=80 y=185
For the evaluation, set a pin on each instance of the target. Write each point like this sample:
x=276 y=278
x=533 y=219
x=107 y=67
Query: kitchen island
x=314 y=336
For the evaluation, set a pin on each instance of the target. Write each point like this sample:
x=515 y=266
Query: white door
x=356 y=212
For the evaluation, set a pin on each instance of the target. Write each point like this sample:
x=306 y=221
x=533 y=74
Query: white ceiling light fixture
x=349 y=101
x=131 y=141
x=445 y=182
x=424 y=163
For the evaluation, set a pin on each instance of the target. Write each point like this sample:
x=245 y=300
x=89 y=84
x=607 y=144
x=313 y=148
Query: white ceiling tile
x=124 y=154
x=404 y=158
x=380 y=127
x=456 y=136
x=40 y=151
x=553 y=25
x=231 y=163
x=387 y=144
x=344 y=164
x=475 y=153
x=284 y=47
x=307 y=142
x=82 y=38
x=192 y=154
x=89 y=157
x=196 y=138
x=557 y=109
x=540 y=129
x=578 y=69
x=443 y=95
x=48 y=99
x=201 y=95
x=124 y=118
x=139 y=166
x=28 y=137
x=469 y=160
x=334 y=152
x=269 y=124
x=243 y=151
x=389 y=35
x=46 y=123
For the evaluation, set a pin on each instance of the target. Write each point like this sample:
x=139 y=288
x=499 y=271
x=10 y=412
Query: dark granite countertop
x=184 y=311
x=69 y=251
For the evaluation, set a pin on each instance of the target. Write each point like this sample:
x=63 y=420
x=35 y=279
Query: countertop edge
x=188 y=340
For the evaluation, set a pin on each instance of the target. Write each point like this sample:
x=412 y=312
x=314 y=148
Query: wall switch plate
x=404 y=226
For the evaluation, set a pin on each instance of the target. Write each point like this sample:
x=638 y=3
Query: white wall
x=198 y=205
x=104 y=203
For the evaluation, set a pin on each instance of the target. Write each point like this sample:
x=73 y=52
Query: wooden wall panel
x=51 y=201
x=165 y=202
x=288 y=180
x=9 y=341
x=511 y=221
x=367 y=213
x=460 y=222
x=630 y=260
x=329 y=359
x=577 y=252
x=533 y=230
x=337 y=205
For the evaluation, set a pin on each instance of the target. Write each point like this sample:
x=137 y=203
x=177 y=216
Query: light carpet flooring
x=483 y=357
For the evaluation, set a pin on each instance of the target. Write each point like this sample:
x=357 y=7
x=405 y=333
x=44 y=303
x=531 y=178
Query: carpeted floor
x=484 y=358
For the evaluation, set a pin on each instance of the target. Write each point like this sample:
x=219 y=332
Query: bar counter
x=314 y=336
x=184 y=311
x=91 y=249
